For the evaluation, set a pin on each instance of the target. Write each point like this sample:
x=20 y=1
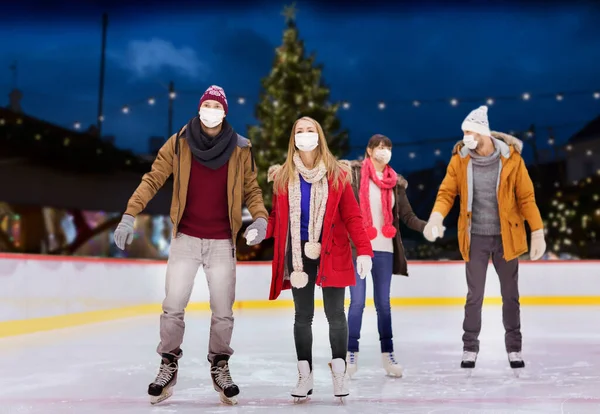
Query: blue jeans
x=383 y=265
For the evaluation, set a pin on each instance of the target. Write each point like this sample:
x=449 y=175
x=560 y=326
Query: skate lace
x=338 y=379
x=469 y=356
x=165 y=374
x=302 y=380
x=222 y=376
x=392 y=359
x=352 y=358
x=515 y=356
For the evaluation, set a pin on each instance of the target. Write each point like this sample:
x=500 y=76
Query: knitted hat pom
x=299 y=279
x=312 y=250
x=371 y=232
x=388 y=231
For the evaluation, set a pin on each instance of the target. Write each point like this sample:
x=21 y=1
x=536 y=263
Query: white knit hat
x=477 y=121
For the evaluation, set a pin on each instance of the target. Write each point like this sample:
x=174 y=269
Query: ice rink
x=106 y=367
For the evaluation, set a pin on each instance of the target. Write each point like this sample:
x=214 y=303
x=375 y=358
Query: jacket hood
x=506 y=141
x=272 y=171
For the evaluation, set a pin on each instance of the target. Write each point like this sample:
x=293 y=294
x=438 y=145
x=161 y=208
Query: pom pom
x=312 y=250
x=388 y=231
x=372 y=233
x=298 y=279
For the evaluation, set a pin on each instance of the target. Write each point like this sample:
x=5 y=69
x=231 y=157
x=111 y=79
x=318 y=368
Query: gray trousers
x=185 y=258
x=482 y=247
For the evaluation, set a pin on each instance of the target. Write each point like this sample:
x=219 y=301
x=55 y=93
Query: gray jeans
x=185 y=258
x=482 y=247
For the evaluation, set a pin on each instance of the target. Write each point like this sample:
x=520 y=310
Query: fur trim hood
x=505 y=140
x=272 y=171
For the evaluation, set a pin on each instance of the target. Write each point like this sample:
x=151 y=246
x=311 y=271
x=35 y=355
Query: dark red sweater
x=206 y=213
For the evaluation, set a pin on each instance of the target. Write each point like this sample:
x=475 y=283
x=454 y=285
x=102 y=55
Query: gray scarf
x=484 y=161
x=212 y=152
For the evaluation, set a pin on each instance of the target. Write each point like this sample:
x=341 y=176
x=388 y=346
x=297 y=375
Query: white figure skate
x=339 y=377
x=390 y=365
x=304 y=387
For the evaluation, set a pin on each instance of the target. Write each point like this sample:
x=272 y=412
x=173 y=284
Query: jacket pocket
x=341 y=255
x=518 y=235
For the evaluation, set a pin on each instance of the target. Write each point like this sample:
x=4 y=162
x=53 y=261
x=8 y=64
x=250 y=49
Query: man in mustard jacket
x=496 y=196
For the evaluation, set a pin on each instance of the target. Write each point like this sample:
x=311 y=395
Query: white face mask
x=383 y=155
x=470 y=142
x=211 y=117
x=306 y=141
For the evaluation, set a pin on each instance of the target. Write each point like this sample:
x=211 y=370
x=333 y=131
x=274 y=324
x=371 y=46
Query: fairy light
x=596 y=95
x=550 y=141
x=381 y=106
x=454 y=102
x=77 y=125
x=346 y=105
x=490 y=101
x=589 y=153
x=412 y=155
x=560 y=97
x=151 y=101
x=526 y=96
x=569 y=147
x=125 y=109
x=416 y=104
x=241 y=100
x=437 y=152
x=172 y=95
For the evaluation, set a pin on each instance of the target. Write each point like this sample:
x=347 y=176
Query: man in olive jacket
x=214 y=175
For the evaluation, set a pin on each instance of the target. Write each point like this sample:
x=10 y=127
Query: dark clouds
x=373 y=55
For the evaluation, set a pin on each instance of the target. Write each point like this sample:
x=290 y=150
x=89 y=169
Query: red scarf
x=386 y=185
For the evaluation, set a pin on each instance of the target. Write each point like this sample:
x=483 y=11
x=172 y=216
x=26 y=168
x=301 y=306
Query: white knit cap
x=477 y=121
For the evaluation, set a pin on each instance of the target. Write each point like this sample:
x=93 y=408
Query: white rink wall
x=35 y=287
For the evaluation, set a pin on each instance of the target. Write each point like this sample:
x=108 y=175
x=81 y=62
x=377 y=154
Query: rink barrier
x=40 y=293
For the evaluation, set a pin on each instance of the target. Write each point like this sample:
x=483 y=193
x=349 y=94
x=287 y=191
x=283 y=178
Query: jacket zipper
x=231 y=208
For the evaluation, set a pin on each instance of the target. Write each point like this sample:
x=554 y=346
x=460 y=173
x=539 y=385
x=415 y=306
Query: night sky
x=394 y=54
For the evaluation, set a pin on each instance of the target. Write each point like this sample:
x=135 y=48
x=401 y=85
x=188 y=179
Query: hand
x=434 y=227
x=538 y=244
x=256 y=232
x=124 y=231
x=364 y=264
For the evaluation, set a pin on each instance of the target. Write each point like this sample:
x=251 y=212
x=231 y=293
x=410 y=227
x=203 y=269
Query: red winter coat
x=342 y=218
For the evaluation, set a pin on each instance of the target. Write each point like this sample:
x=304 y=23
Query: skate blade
x=469 y=372
x=300 y=399
x=393 y=374
x=227 y=400
x=167 y=393
x=341 y=398
x=517 y=372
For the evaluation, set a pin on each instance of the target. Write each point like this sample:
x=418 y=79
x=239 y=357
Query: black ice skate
x=516 y=362
x=162 y=387
x=468 y=360
x=222 y=382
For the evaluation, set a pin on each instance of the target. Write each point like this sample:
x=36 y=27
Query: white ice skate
x=468 y=361
x=391 y=366
x=516 y=363
x=352 y=361
x=304 y=387
x=340 y=378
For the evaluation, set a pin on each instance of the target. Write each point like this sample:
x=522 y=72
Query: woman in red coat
x=314 y=200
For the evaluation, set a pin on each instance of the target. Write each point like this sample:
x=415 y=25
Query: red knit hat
x=215 y=93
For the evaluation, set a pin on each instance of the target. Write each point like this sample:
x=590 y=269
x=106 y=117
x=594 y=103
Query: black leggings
x=304 y=304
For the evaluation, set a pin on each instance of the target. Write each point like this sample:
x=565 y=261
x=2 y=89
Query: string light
x=151 y=101
x=77 y=125
x=241 y=100
x=412 y=155
x=559 y=97
x=596 y=95
x=489 y=101
x=550 y=141
x=454 y=102
x=526 y=96
x=416 y=104
x=346 y=105
x=589 y=153
x=125 y=109
x=437 y=152
x=172 y=95
x=381 y=105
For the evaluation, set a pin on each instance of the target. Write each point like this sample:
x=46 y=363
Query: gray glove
x=256 y=232
x=124 y=231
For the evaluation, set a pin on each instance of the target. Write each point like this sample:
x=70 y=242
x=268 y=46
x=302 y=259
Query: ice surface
x=105 y=368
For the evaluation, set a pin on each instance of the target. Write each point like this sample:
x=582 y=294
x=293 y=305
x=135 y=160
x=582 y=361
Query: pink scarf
x=386 y=185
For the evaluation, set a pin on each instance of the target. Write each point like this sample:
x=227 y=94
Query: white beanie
x=477 y=121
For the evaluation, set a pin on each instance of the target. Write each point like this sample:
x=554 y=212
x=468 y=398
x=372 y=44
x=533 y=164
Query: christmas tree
x=293 y=89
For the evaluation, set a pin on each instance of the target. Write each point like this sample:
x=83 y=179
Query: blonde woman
x=314 y=211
